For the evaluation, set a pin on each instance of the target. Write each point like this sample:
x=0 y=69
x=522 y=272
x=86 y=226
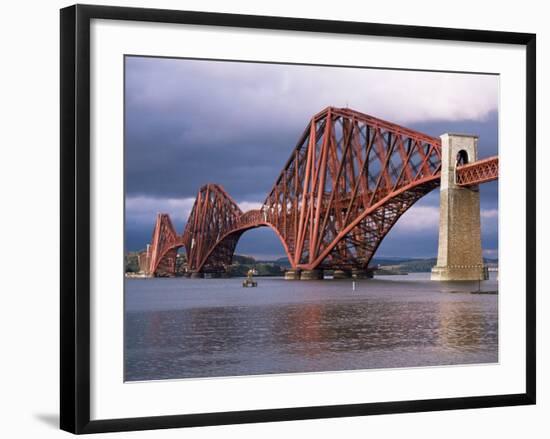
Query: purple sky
x=190 y=122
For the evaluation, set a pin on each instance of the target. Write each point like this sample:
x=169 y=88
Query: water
x=188 y=328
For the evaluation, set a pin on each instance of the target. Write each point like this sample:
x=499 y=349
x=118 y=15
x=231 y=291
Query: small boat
x=249 y=282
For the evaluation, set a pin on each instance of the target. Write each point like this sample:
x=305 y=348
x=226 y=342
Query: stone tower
x=459 y=254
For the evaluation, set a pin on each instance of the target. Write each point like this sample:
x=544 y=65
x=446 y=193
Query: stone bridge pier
x=459 y=254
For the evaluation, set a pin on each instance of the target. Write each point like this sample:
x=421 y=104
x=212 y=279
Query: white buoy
x=353 y=285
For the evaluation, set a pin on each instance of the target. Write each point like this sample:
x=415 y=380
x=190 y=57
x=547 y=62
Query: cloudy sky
x=191 y=122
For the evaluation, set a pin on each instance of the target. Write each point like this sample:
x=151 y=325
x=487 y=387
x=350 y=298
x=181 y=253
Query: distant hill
x=416 y=265
x=412 y=265
x=241 y=259
x=241 y=264
x=409 y=265
x=283 y=262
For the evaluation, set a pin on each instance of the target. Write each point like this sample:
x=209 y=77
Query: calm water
x=182 y=328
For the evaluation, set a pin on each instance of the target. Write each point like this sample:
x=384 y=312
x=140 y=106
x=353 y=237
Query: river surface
x=188 y=328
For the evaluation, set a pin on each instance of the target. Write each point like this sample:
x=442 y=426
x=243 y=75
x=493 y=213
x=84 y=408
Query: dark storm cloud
x=189 y=122
x=184 y=129
x=486 y=130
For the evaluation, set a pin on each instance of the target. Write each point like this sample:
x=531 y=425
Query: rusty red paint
x=349 y=179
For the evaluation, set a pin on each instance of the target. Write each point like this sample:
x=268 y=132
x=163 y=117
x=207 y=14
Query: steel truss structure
x=349 y=179
x=481 y=171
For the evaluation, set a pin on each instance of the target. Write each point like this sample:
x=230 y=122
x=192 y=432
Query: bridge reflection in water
x=348 y=180
x=178 y=328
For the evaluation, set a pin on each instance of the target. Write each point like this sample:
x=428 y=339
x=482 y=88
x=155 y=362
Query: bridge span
x=348 y=180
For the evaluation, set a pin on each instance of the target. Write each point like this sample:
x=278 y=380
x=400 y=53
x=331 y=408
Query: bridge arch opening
x=371 y=229
x=262 y=243
x=221 y=256
x=462 y=158
x=414 y=235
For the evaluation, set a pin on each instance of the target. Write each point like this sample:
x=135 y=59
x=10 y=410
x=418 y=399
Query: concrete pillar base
x=341 y=274
x=197 y=275
x=360 y=273
x=460 y=273
x=292 y=274
x=316 y=274
x=459 y=254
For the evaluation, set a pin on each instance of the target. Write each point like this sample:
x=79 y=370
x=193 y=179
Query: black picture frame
x=75 y=217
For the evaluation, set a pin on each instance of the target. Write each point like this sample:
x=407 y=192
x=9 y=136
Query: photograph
x=296 y=218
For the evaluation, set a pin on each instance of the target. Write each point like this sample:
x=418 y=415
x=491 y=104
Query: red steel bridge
x=348 y=180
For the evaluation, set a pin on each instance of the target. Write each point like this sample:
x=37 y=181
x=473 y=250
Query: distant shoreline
x=383 y=266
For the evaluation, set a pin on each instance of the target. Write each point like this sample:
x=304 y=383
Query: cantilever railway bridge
x=346 y=183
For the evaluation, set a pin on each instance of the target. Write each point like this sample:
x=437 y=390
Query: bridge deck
x=478 y=172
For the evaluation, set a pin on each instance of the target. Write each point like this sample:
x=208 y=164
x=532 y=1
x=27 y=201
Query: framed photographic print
x=268 y=218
